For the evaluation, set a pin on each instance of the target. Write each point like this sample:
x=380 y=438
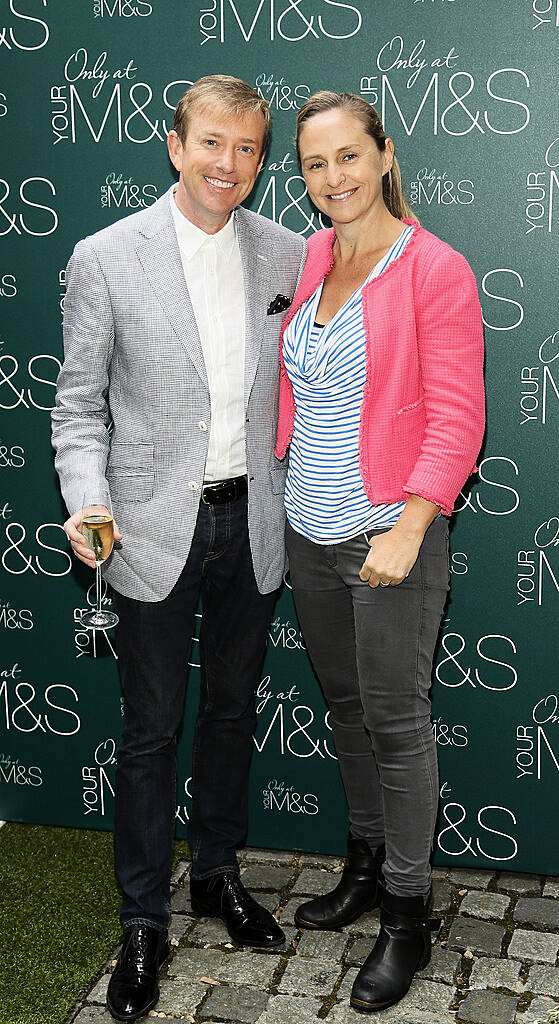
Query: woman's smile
x=341 y=196
x=335 y=147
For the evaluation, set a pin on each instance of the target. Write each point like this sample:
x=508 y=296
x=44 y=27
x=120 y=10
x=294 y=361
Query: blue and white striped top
x=324 y=496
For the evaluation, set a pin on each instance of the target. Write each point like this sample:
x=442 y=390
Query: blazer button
x=203 y=425
x=193 y=485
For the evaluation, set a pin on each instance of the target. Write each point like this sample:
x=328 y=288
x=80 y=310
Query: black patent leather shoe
x=133 y=990
x=247 y=922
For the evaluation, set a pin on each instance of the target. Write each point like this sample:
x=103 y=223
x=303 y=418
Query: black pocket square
x=279 y=304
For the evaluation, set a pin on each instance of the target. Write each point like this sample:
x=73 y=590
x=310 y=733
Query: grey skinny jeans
x=372 y=650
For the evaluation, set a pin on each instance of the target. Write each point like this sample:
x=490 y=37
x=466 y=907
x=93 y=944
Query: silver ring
x=384 y=584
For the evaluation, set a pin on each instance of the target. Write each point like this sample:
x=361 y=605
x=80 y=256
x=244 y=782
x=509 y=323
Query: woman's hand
x=393 y=554
x=390 y=560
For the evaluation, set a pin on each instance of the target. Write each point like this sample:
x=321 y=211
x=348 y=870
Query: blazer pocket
x=130 y=487
x=130 y=471
x=278 y=475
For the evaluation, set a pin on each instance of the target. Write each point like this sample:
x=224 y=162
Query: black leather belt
x=225 y=490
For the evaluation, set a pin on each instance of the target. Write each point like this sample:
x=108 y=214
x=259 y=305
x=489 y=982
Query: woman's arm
x=450 y=347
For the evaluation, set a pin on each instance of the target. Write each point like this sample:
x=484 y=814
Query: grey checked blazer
x=133 y=356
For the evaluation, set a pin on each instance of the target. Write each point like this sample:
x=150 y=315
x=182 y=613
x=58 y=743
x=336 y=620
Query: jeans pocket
x=434 y=555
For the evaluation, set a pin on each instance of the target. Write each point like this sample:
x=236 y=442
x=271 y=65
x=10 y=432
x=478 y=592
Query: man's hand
x=72 y=528
x=390 y=560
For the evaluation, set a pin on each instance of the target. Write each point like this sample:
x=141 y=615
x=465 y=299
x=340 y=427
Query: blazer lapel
x=256 y=273
x=158 y=252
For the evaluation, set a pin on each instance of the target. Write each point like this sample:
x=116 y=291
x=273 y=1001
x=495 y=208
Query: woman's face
x=342 y=165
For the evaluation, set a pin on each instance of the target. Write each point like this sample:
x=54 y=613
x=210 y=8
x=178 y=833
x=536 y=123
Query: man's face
x=217 y=165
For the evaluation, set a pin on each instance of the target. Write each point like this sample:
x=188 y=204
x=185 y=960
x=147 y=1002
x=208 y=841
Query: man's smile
x=219 y=183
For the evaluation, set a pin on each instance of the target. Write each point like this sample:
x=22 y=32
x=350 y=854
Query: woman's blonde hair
x=328 y=99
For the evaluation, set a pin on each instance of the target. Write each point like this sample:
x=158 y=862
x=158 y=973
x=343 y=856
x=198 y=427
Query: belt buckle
x=223 y=491
x=208 y=488
x=217 y=490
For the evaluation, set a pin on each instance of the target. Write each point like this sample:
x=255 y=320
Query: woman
x=381 y=402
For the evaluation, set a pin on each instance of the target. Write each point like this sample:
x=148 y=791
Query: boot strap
x=409 y=924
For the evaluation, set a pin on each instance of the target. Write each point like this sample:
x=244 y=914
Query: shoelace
x=231 y=885
x=137 y=948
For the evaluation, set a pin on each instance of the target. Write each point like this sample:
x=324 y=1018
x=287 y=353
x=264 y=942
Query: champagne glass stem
x=98 y=586
x=97 y=528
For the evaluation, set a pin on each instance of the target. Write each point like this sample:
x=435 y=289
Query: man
x=171 y=328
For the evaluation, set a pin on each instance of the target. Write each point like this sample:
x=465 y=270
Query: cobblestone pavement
x=494 y=958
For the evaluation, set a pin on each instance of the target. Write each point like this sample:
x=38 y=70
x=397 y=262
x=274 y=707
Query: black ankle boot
x=355 y=893
x=402 y=948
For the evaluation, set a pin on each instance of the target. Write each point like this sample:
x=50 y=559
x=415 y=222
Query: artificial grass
x=58 y=918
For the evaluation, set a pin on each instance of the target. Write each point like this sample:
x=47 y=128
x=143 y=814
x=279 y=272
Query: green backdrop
x=468 y=90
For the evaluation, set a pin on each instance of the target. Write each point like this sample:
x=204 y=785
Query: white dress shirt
x=214 y=278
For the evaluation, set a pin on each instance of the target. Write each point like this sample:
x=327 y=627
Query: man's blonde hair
x=231 y=95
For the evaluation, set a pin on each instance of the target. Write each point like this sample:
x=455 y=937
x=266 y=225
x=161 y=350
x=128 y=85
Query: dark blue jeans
x=153 y=642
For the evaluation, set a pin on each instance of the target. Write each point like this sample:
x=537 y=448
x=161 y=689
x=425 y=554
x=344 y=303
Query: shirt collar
x=191 y=238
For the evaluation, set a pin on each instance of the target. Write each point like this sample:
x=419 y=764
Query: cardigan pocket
x=411 y=407
x=408 y=429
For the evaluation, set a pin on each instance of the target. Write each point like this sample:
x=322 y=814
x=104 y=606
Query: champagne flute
x=97 y=530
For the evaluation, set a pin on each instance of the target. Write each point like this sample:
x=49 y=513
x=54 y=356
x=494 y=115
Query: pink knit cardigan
x=422 y=416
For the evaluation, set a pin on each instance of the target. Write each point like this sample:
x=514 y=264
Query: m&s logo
x=290 y=20
x=24 y=31
x=121 y=9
